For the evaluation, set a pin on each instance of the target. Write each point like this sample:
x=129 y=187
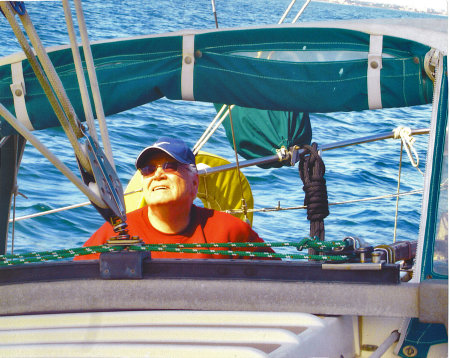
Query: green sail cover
x=260 y=133
x=228 y=69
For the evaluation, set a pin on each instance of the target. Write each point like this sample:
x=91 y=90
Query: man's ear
x=195 y=182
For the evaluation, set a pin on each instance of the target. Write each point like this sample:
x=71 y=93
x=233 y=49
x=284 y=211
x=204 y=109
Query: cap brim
x=147 y=153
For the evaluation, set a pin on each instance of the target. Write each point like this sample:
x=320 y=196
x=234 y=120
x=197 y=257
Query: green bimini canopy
x=294 y=68
x=260 y=133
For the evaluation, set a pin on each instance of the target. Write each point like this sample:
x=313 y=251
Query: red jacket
x=206 y=226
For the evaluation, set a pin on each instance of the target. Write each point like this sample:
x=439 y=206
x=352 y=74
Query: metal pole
x=325 y=147
x=213 y=3
x=383 y=347
x=373 y=138
x=244 y=164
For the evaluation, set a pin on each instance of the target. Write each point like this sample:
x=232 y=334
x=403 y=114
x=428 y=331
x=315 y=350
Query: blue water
x=352 y=173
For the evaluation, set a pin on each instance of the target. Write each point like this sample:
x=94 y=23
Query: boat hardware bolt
x=410 y=351
x=376 y=257
x=198 y=54
x=283 y=154
x=18 y=92
x=374 y=64
x=122 y=238
x=363 y=251
x=369 y=347
x=188 y=60
x=354 y=242
x=416 y=60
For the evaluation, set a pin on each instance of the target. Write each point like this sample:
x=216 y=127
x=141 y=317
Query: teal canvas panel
x=438 y=194
x=266 y=84
x=224 y=75
x=420 y=337
x=130 y=73
x=260 y=133
x=136 y=71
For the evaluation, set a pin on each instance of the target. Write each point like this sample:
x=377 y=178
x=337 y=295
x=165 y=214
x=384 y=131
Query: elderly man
x=170 y=183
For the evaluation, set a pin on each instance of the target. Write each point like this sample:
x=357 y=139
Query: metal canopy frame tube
x=325 y=147
x=368 y=139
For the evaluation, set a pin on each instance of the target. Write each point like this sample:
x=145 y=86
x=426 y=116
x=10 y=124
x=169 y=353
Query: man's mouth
x=160 y=187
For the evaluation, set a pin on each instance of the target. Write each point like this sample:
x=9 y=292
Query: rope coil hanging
x=404 y=133
x=312 y=170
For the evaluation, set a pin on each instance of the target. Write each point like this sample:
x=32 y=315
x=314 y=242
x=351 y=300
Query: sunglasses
x=168 y=167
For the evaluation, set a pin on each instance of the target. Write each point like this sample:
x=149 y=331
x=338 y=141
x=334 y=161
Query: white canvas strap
x=19 y=92
x=187 y=68
x=374 y=66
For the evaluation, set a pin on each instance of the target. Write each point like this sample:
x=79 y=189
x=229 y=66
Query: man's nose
x=159 y=172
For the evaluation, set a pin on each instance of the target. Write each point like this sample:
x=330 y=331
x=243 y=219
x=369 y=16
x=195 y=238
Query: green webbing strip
x=7 y=260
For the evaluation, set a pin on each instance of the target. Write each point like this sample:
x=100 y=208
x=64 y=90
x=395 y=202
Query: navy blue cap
x=176 y=148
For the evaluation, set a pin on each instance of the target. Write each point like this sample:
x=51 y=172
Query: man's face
x=169 y=187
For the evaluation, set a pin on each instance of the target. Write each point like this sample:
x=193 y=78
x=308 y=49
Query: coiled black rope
x=312 y=170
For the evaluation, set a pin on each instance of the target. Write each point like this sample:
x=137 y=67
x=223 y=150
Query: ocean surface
x=352 y=173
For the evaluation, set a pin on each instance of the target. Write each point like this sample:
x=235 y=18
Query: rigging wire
x=238 y=172
x=213 y=126
x=407 y=141
x=210 y=130
x=231 y=211
x=280 y=208
x=51 y=74
x=94 y=83
x=30 y=137
x=336 y=145
x=67 y=126
x=79 y=71
x=301 y=11
x=398 y=190
x=286 y=12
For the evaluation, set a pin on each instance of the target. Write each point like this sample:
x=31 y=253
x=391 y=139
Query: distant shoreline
x=391 y=6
